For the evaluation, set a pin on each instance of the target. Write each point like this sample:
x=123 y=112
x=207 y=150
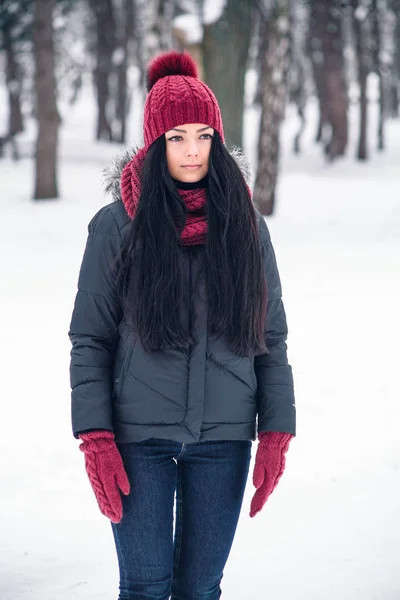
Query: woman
x=179 y=351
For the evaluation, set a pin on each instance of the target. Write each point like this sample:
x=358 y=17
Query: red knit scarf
x=195 y=231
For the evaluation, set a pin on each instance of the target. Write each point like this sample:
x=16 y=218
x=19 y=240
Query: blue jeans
x=209 y=480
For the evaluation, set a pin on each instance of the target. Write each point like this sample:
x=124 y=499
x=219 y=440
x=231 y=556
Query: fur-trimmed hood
x=112 y=173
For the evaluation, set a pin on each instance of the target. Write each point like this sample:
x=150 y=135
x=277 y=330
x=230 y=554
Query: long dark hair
x=152 y=284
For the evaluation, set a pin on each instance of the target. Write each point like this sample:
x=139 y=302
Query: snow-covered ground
x=331 y=530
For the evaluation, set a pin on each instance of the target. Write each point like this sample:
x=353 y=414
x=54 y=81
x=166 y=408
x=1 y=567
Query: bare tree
x=74 y=25
x=273 y=89
x=104 y=13
x=163 y=24
x=9 y=19
x=395 y=76
x=326 y=45
x=299 y=66
x=225 y=52
x=46 y=106
x=383 y=26
x=122 y=102
x=143 y=18
x=13 y=80
x=362 y=35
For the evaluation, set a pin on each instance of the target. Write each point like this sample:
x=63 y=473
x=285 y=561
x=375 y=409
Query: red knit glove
x=106 y=472
x=270 y=464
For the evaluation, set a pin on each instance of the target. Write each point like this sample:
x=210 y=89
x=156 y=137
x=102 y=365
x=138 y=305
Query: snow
x=192 y=22
x=191 y=25
x=331 y=529
x=212 y=10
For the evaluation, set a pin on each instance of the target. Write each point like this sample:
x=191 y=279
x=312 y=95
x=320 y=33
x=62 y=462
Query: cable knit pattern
x=130 y=182
x=195 y=231
x=177 y=98
x=106 y=472
x=269 y=466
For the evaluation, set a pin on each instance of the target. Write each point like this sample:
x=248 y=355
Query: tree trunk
x=298 y=71
x=166 y=13
x=395 y=81
x=141 y=28
x=361 y=26
x=326 y=44
x=13 y=80
x=103 y=11
x=377 y=42
x=274 y=57
x=394 y=98
x=337 y=112
x=225 y=52
x=314 y=46
x=322 y=101
x=46 y=106
x=126 y=33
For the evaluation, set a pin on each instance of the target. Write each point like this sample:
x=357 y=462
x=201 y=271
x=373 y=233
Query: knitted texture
x=177 y=97
x=269 y=466
x=106 y=472
x=195 y=230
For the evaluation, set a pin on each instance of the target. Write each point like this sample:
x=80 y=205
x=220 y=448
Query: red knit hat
x=176 y=96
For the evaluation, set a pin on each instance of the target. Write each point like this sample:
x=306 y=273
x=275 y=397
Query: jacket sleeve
x=275 y=390
x=94 y=327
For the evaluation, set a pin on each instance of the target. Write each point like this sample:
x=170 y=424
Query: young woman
x=179 y=347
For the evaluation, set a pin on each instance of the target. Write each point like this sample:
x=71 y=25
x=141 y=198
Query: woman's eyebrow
x=184 y=130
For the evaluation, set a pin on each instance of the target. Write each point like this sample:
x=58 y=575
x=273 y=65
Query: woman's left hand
x=269 y=466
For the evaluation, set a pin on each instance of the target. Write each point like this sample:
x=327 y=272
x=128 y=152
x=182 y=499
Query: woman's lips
x=191 y=167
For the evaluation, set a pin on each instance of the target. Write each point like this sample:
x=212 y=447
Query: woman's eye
x=206 y=136
x=175 y=138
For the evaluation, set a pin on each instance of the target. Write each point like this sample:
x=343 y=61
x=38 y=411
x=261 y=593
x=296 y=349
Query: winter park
x=309 y=91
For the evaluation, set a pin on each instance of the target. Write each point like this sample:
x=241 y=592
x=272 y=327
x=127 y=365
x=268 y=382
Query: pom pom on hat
x=170 y=63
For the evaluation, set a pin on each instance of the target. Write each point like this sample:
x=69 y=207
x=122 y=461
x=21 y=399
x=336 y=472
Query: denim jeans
x=209 y=480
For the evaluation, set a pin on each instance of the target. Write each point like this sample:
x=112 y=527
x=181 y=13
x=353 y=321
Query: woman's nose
x=191 y=149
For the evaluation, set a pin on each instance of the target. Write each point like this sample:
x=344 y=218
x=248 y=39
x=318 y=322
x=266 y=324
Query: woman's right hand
x=106 y=472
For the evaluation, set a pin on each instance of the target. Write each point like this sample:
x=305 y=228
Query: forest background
x=309 y=90
x=258 y=53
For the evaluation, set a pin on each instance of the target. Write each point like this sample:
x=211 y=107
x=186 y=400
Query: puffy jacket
x=205 y=393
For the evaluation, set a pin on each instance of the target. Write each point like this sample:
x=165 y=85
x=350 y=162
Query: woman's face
x=188 y=150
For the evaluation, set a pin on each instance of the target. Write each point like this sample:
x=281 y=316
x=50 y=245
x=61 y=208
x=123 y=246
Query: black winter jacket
x=207 y=393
